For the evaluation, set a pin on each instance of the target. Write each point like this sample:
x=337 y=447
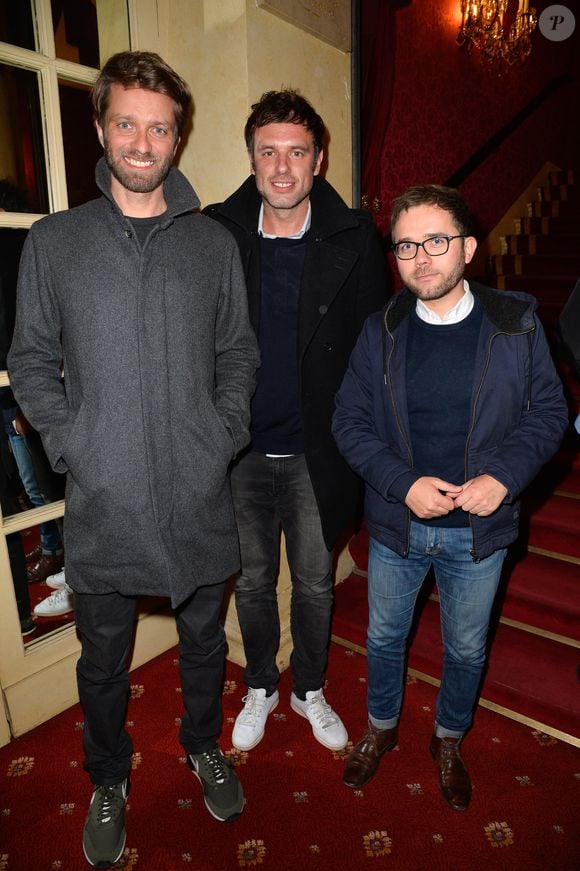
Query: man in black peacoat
x=314 y=270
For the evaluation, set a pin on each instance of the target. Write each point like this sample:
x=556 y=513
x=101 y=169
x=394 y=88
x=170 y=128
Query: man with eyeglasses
x=449 y=408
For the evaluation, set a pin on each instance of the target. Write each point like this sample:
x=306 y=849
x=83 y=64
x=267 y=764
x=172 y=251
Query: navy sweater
x=440 y=375
x=276 y=412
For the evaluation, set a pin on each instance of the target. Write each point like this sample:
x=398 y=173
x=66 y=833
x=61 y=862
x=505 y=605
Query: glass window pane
x=11 y=242
x=39 y=615
x=21 y=136
x=16 y=25
x=76 y=34
x=81 y=146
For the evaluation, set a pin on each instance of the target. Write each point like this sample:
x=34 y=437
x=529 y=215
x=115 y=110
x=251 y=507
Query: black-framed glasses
x=434 y=246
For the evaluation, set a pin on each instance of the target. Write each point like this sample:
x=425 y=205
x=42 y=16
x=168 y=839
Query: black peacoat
x=344 y=280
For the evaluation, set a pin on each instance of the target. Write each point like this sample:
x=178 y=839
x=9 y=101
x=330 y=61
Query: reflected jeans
x=466 y=591
x=50 y=539
x=271 y=493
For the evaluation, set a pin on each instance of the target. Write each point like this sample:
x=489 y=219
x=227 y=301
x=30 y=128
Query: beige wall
x=230 y=52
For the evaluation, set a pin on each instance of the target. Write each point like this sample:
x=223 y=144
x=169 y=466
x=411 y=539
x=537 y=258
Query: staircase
x=533 y=673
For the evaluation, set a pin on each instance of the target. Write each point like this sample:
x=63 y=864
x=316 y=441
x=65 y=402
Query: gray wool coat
x=159 y=365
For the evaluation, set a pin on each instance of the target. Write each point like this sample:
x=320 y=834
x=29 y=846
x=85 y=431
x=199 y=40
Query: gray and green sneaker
x=222 y=791
x=104 y=834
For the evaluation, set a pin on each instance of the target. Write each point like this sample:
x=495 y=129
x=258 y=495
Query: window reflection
x=35 y=482
x=81 y=146
x=76 y=34
x=43 y=606
x=26 y=478
x=21 y=136
x=16 y=25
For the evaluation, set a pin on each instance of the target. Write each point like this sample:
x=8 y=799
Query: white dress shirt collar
x=458 y=313
x=298 y=235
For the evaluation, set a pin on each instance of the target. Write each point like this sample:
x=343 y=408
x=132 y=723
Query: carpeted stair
x=534 y=662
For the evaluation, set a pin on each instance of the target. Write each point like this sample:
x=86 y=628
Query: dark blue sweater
x=276 y=411
x=440 y=376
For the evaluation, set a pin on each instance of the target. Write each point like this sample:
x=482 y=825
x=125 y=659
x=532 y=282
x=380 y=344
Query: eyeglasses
x=434 y=247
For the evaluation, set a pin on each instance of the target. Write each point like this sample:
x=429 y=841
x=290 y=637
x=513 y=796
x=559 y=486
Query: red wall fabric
x=377 y=79
x=446 y=104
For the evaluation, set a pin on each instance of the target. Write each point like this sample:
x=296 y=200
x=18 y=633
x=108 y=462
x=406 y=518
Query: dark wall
x=447 y=104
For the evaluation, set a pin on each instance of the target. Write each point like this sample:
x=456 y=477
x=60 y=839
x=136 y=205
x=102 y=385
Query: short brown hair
x=143 y=69
x=448 y=199
x=284 y=107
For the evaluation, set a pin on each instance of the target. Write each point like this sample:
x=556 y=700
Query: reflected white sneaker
x=56 y=581
x=58 y=603
x=327 y=726
x=251 y=721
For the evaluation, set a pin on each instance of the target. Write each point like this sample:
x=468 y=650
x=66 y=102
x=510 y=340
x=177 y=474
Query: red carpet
x=524 y=812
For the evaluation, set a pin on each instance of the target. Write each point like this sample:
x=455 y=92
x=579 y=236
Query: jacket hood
x=509 y=311
x=330 y=214
x=179 y=194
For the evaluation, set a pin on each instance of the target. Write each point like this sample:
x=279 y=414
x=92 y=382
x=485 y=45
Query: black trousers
x=106 y=625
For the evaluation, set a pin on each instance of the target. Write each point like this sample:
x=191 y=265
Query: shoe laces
x=253 y=706
x=60 y=595
x=110 y=802
x=319 y=708
x=217 y=765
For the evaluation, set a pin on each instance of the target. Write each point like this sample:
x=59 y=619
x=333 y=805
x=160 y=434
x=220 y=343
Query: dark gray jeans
x=273 y=493
x=106 y=625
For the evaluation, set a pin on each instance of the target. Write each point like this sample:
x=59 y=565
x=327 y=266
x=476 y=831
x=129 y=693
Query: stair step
x=558 y=191
x=563 y=246
x=527 y=673
x=553 y=478
x=554 y=526
x=553 y=207
x=548 y=285
x=543 y=592
x=568 y=454
x=525 y=263
x=557 y=245
x=561 y=176
x=546 y=225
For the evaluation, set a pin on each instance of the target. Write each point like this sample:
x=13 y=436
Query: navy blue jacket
x=518 y=414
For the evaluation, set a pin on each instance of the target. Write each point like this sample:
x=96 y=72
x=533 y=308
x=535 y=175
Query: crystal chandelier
x=497 y=33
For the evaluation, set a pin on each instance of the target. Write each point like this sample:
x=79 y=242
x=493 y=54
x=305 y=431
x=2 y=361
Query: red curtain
x=377 y=82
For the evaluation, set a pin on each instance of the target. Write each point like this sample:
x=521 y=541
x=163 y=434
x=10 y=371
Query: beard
x=448 y=283
x=283 y=201
x=133 y=180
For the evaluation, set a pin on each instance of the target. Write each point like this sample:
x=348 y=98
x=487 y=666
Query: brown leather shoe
x=33 y=555
x=454 y=780
x=48 y=564
x=363 y=760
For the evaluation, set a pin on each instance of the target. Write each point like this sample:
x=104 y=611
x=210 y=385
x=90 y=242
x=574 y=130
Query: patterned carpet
x=525 y=811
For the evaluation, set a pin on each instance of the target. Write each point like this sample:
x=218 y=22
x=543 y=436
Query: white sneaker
x=58 y=603
x=251 y=721
x=327 y=726
x=57 y=581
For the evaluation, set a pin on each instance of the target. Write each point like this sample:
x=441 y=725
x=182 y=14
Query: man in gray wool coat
x=142 y=303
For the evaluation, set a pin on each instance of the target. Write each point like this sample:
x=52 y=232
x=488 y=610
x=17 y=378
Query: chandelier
x=500 y=34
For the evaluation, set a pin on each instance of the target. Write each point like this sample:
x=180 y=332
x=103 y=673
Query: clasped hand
x=433 y=497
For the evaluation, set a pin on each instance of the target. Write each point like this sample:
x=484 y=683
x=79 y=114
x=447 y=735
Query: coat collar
x=330 y=214
x=510 y=312
x=179 y=194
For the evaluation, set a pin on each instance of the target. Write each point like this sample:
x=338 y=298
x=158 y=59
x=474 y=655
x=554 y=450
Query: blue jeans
x=50 y=539
x=271 y=493
x=466 y=591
